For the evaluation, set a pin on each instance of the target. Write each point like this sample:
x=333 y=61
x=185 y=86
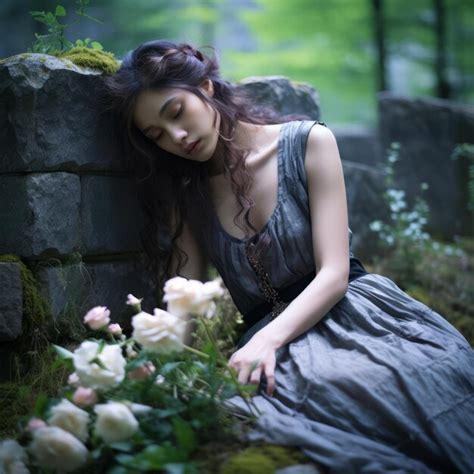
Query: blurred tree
x=379 y=39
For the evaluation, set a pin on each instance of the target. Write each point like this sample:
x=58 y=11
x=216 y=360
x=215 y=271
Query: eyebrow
x=162 y=111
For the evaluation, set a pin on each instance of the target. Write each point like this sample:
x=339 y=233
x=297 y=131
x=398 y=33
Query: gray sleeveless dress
x=381 y=384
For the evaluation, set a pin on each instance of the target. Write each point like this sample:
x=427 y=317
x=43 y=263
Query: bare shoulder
x=320 y=137
x=322 y=160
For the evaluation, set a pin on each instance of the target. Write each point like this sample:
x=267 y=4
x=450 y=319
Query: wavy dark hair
x=171 y=189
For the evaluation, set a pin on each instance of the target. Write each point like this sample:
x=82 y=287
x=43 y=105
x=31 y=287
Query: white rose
x=115 y=422
x=54 y=448
x=191 y=296
x=12 y=458
x=90 y=373
x=213 y=288
x=69 y=417
x=162 y=332
x=97 y=317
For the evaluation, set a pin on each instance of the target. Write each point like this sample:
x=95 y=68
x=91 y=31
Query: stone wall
x=69 y=210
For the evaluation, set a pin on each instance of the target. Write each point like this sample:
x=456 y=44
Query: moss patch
x=35 y=307
x=93 y=58
x=264 y=459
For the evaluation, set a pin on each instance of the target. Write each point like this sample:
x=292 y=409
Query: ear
x=207 y=86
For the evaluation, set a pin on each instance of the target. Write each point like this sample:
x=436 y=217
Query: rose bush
x=139 y=403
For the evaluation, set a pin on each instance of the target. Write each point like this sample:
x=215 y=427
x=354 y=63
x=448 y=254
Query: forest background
x=347 y=49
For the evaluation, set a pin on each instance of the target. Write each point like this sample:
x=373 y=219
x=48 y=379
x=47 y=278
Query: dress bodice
x=289 y=257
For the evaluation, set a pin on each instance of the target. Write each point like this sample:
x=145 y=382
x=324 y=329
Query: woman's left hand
x=258 y=354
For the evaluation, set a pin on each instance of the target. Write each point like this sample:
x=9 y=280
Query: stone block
x=72 y=290
x=11 y=301
x=364 y=189
x=110 y=215
x=359 y=145
x=282 y=95
x=40 y=214
x=51 y=117
x=428 y=130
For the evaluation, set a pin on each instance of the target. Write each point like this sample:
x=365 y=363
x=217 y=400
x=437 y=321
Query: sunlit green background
x=329 y=44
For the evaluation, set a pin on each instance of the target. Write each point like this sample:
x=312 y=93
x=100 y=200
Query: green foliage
x=404 y=237
x=466 y=151
x=55 y=41
x=439 y=274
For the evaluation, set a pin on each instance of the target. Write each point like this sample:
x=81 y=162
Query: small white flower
x=115 y=422
x=90 y=373
x=55 y=448
x=375 y=226
x=159 y=379
x=424 y=186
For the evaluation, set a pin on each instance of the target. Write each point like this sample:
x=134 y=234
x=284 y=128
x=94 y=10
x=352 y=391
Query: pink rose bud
x=35 y=423
x=115 y=329
x=133 y=300
x=142 y=372
x=97 y=317
x=85 y=397
x=73 y=379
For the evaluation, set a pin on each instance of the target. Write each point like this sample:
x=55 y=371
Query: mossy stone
x=92 y=58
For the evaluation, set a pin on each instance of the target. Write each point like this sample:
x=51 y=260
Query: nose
x=178 y=135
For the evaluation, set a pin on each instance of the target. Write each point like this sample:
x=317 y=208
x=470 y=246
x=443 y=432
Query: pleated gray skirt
x=382 y=384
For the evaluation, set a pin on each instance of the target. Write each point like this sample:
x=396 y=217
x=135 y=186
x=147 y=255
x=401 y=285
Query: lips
x=192 y=146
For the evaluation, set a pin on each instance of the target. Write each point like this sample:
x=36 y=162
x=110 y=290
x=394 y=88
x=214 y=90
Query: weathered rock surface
x=282 y=95
x=359 y=145
x=11 y=301
x=40 y=214
x=110 y=215
x=364 y=188
x=428 y=130
x=51 y=118
x=74 y=289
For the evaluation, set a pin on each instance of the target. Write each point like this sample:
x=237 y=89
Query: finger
x=244 y=375
x=270 y=376
x=255 y=376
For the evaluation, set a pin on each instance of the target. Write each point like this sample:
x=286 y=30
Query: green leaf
x=63 y=353
x=60 y=11
x=184 y=434
x=96 y=45
x=41 y=405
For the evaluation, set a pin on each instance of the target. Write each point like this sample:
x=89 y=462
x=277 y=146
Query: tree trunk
x=379 y=40
x=443 y=88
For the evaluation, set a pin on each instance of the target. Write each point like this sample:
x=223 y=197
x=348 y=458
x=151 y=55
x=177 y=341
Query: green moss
x=93 y=58
x=35 y=307
x=264 y=459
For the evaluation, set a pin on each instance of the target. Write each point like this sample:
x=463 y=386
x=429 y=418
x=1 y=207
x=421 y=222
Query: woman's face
x=179 y=122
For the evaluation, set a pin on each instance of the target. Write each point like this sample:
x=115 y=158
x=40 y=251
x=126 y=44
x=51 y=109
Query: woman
x=350 y=368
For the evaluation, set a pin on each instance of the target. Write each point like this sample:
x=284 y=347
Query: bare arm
x=329 y=223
